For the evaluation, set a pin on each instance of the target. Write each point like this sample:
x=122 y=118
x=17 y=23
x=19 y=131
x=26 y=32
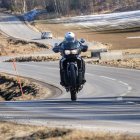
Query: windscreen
x=71 y=45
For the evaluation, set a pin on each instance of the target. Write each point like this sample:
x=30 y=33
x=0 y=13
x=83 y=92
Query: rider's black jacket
x=70 y=46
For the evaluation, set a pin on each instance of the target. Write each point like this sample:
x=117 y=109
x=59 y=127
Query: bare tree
x=24 y=6
x=66 y=7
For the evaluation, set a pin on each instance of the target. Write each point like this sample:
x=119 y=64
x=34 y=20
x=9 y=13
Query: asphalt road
x=12 y=26
x=110 y=99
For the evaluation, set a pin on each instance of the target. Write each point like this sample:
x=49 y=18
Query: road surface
x=12 y=26
x=110 y=99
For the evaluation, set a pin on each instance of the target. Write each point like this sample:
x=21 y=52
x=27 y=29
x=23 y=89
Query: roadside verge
x=32 y=89
x=32 y=132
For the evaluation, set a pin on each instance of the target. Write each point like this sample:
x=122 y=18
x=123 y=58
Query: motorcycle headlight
x=67 y=52
x=74 y=52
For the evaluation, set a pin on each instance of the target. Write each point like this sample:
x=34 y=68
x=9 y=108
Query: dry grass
x=43 y=58
x=131 y=51
x=11 y=131
x=9 y=89
x=116 y=40
x=12 y=47
x=132 y=63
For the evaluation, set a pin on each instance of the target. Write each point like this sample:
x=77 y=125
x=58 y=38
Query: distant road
x=12 y=26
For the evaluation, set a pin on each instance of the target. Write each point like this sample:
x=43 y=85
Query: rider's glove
x=84 y=48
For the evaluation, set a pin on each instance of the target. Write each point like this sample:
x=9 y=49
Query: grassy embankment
x=11 y=131
x=12 y=47
x=10 y=89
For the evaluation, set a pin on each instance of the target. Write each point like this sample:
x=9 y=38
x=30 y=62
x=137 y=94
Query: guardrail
x=106 y=56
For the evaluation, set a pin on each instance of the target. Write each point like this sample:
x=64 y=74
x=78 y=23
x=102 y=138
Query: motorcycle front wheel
x=72 y=77
x=73 y=95
x=73 y=82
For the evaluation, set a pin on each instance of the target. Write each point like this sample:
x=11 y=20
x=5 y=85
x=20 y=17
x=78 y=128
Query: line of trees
x=66 y=7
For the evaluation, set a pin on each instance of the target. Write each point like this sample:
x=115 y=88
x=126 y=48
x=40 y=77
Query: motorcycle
x=74 y=69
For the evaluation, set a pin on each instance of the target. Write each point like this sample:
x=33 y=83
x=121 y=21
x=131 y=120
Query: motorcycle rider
x=70 y=42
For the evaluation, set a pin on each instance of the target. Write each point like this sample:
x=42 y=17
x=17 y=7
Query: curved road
x=12 y=26
x=110 y=99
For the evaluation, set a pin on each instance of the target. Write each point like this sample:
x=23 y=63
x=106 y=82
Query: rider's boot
x=62 y=82
x=63 y=78
x=84 y=80
x=83 y=71
x=81 y=77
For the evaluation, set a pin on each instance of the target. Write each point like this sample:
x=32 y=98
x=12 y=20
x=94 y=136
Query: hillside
x=71 y=7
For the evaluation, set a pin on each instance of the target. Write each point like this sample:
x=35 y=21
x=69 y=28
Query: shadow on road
x=37 y=38
x=102 y=108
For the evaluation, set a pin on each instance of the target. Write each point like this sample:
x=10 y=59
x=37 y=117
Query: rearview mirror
x=56 y=48
x=82 y=40
x=56 y=44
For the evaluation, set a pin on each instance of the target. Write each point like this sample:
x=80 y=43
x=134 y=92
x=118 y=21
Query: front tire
x=73 y=95
x=73 y=82
x=73 y=77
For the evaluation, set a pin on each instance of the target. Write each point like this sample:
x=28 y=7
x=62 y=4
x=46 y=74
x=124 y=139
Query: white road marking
x=108 y=78
x=8 y=117
x=124 y=94
x=90 y=74
x=135 y=37
x=123 y=83
x=130 y=102
x=110 y=67
x=119 y=98
x=129 y=88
